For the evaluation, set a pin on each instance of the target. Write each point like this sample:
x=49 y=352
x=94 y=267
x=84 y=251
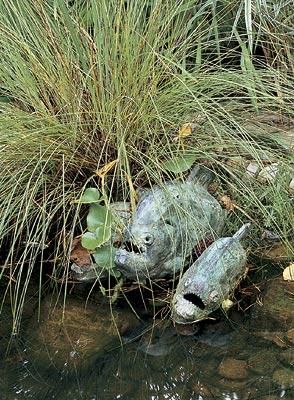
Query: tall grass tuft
x=85 y=83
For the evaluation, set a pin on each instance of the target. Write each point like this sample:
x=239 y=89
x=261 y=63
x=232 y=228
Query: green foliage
x=179 y=164
x=99 y=224
x=91 y=195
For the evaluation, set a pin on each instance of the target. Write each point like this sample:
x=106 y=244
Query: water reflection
x=83 y=358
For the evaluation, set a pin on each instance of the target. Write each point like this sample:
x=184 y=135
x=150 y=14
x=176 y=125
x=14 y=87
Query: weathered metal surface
x=210 y=280
x=168 y=223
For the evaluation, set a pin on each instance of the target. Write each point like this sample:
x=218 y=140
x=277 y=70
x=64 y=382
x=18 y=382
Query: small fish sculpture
x=210 y=279
x=168 y=223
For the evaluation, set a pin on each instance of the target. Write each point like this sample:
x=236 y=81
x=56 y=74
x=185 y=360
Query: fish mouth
x=194 y=299
x=131 y=247
x=188 y=308
x=134 y=264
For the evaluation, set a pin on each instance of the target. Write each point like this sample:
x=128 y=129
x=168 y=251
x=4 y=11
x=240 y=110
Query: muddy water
x=238 y=356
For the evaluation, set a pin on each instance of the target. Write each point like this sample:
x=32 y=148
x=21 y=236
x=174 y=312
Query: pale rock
x=252 y=169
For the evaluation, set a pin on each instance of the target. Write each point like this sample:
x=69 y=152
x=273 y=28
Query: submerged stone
x=232 y=368
x=73 y=337
x=287 y=356
x=278 y=302
x=263 y=362
x=284 y=377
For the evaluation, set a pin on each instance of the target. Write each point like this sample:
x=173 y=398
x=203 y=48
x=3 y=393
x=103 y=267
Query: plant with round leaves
x=97 y=238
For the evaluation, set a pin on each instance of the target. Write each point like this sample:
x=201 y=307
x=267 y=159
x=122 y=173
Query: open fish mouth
x=195 y=299
x=134 y=264
x=188 y=308
x=131 y=247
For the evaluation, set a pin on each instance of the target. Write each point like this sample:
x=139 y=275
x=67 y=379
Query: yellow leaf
x=133 y=193
x=288 y=273
x=227 y=304
x=185 y=130
x=227 y=202
x=101 y=172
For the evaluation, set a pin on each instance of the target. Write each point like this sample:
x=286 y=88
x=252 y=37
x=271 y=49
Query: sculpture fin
x=201 y=175
x=242 y=231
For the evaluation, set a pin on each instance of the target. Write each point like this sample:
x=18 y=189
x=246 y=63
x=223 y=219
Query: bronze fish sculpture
x=210 y=280
x=168 y=223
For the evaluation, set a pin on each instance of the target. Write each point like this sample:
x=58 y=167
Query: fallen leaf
x=101 y=172
x=185 y=130
x=133 y=194
x=79 y=255
x=227 y=202
x=288 y=273
x=227 y=304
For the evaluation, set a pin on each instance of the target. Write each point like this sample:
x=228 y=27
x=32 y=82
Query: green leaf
x=5 y=99
x=115 y=273
x=89 y=241
x=179 y=164
x=104 y=257
x=103 y=234
x=98 y=215
x=90 y=195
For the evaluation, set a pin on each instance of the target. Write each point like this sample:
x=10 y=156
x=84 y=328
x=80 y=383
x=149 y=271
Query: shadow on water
x=242 y=356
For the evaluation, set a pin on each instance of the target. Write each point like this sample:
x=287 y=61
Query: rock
x=276 y=337
x=290 y=335
x=284 y=378
x=291 y=185
x=279 y=251
x=287 y=356
x=187 y=329
x=200 y=389
x=252 y=169
x=232 y=368
x=269 y=172
x=277 y=310
x=262 y=362
x=74 y=337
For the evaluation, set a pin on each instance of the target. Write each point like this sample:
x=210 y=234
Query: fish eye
x=148 y=239
x=168 y=222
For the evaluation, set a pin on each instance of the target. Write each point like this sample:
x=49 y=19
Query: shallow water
x=224 y=359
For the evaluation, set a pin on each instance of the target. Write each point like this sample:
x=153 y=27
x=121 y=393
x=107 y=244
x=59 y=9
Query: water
x=235 y=357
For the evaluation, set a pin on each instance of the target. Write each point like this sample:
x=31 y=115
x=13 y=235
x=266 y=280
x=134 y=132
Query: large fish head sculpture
x=151 y=237
x=145 y=247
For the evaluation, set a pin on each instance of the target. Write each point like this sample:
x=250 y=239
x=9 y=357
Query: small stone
x=290 y=335
x=278 y=304
x=279 y=251
x=291 y=185
x=201 y=390
x=287 y=356
x=269 y=172
x=284 y=377
x=262 y=362
x=275 y=337
x=187 y=329
x=252 y=169
x=232 y=368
